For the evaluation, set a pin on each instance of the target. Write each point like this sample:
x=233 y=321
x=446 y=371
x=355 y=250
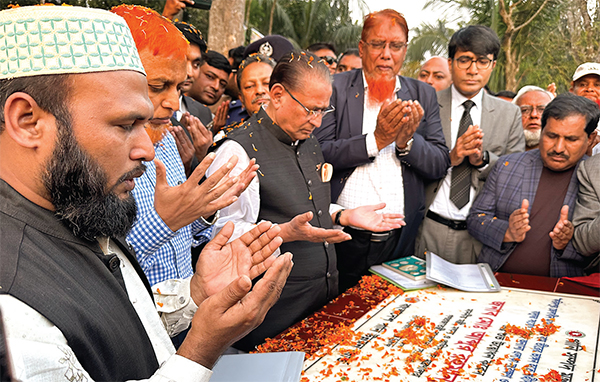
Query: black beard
x=78 y=189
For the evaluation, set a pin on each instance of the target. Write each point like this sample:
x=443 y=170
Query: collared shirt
x=162 y=253
x=380 y=180
x=441 y=204
x=40 y=351
x=182 y=109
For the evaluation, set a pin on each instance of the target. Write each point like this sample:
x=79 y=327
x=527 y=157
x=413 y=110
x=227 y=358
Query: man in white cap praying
x=76 y=305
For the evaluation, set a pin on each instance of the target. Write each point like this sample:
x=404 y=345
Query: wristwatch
x=211 y=219
x=338 y=216
x=402 y=152
x=485 y=159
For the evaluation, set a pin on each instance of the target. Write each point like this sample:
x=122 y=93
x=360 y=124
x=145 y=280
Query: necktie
x=460 y=184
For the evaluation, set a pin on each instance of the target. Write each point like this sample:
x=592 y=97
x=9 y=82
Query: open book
x=467 y=277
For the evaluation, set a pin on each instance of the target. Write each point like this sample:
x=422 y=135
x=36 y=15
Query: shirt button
x=181 y=300
x=114 y=263
x=309 y=182
x=179 y=182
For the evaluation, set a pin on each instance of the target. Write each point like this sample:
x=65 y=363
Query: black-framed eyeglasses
x=526 y=110
x=311 y=113
x=395 y=46
x=465 y=62
x=328 y=59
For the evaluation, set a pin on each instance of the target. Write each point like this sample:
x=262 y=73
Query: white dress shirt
x=441 y=204
x=380 y=180
x=40 y=351
x=244 y=211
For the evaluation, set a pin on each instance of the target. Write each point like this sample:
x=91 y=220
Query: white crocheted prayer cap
x=40 y=40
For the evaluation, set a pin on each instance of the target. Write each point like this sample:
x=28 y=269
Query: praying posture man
x=523 y=214
x=385 y=141
x=292 y=189
x=76 y=304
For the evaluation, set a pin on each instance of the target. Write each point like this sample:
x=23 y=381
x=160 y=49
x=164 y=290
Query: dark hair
x=373 y=19
x=216 y=60
x=193 y=35
x=567 y=104
x=478 y=39
x=321 y=45
x=293 y=69
x=506 y=93
x=349 y=52
x=49 y=91
x=238 y=56
x=251 y=59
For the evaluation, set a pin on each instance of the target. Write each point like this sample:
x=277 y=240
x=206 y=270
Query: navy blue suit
x=344 y=146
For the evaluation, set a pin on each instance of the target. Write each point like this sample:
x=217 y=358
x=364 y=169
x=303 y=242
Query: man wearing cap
x=523 y=214
x=75 y=303
x=586 y=83
x=532 y=101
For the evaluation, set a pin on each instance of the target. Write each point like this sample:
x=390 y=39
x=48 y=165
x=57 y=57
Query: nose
x=171 y=100
x=430 y=79
x=316 y=119
x=190 y=70
x=261 y=89
x=473 y=68
x=534 y=113
x=142 y=148
x=386 y=51
x=559 y=145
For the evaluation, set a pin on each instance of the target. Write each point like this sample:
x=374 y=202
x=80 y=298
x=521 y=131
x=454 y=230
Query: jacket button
x=319 y=213
x=309 y=182
x=114 y=263
x=328 y=275
x=326 y=244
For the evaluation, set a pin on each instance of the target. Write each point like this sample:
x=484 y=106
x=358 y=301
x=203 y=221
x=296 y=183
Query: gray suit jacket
x=502 y=129
x=586 y=217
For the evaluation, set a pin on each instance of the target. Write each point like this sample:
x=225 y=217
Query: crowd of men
x=147 y=173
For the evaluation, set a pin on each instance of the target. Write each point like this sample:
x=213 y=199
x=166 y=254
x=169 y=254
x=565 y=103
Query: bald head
x=436 y=73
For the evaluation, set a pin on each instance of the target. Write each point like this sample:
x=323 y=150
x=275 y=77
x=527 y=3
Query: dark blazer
x=344 y=146
x=515 y=177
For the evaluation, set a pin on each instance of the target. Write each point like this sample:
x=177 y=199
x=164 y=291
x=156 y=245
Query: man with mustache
x=532 y=100
x=384 y=140
x=253 y=77
x=75 y=302
x=173 y=211
x=523 y=214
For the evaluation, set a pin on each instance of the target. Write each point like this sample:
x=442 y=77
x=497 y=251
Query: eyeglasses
x=328 y=59
x=528 y=109
x=311 y=113
x=465 y=62
x=395 y=46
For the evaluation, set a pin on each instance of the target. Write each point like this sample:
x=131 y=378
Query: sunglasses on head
x=328 y=59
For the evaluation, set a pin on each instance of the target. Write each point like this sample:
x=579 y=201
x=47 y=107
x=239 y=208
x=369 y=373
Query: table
x=377 y=332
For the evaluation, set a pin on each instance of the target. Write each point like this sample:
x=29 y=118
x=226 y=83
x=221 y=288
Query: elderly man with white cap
x=586 y=83
x=74 y=104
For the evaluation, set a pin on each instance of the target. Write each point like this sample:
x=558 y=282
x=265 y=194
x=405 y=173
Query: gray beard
x=532 y=137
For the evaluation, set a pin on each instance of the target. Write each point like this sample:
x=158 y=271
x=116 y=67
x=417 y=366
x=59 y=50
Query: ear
x=592 y=139
x=572 y=86
x=450 y=65
x=361 y=47
x=276 y=92
x=494 y=64
x=25 y=122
